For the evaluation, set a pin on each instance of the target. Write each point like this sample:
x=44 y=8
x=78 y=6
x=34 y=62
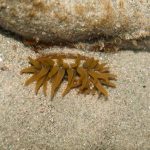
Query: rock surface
x=76 y=20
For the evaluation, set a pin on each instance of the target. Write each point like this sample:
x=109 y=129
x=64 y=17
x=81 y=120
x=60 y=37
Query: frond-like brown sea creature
x=86 y=73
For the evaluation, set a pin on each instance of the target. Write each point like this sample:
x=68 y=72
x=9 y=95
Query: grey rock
x=76 y=20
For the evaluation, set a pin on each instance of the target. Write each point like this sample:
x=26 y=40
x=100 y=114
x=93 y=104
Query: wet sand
x=121 y=122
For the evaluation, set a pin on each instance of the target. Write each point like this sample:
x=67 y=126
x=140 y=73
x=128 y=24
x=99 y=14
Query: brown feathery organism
x=86 y=73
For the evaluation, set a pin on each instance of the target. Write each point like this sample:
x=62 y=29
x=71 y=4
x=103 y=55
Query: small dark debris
x=14 y=47
x=4 y=68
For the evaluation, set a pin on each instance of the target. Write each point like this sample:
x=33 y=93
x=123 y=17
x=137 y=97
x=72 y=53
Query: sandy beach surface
x=75 y=122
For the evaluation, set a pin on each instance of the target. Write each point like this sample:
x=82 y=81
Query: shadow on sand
x=139 y=45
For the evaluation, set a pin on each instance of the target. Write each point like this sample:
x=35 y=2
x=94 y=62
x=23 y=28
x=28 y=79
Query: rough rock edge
x=76 y=21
